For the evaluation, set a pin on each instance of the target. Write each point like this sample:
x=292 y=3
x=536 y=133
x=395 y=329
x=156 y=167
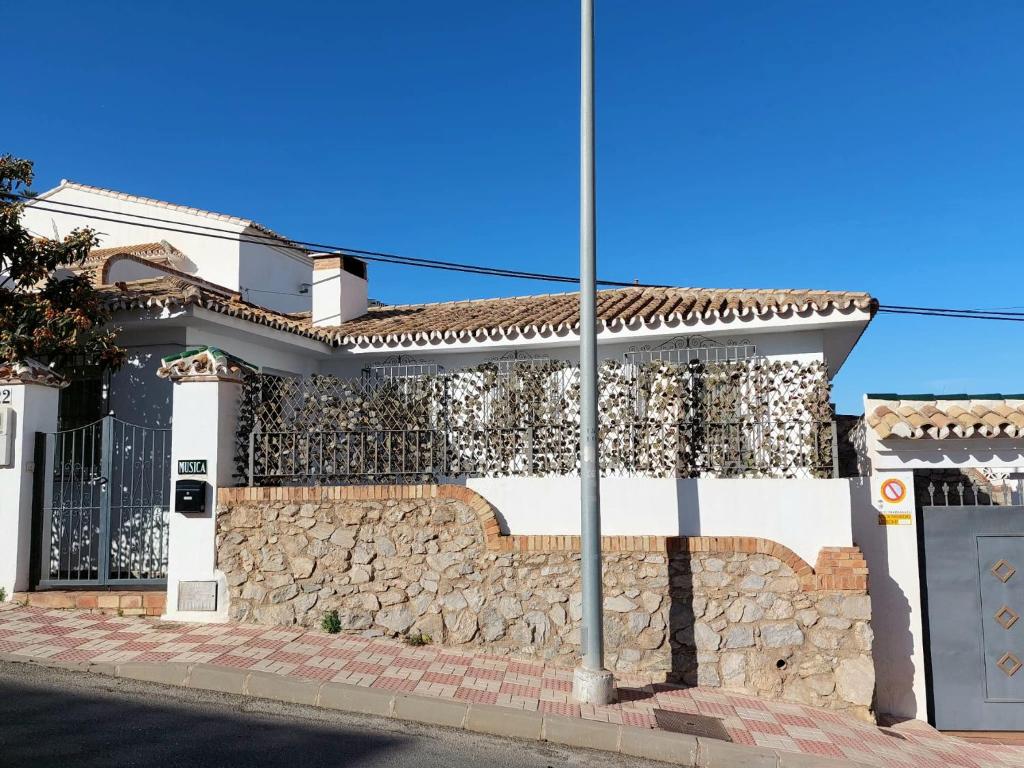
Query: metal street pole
x=592 y=683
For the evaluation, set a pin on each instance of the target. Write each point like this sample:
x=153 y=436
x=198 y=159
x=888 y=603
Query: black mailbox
x=190 y=496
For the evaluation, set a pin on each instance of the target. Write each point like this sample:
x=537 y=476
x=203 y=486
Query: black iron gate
x=103 y=505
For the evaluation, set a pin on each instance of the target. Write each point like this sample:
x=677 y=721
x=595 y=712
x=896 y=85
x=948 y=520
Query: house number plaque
x=191 y=466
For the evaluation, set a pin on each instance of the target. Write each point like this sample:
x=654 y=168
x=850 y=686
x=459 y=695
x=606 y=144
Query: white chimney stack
x=339 y=288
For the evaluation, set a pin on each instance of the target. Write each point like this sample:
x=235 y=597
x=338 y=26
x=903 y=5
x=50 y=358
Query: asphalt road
x=54 y=717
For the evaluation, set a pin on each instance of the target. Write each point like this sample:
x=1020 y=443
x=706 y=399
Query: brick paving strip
x=475 y=691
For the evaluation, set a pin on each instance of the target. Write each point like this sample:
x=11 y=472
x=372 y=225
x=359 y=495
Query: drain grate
x=693 y=725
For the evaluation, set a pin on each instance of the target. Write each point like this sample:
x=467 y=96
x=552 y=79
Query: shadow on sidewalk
x=46 y=725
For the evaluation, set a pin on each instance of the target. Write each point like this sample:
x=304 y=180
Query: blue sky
x=843 y=145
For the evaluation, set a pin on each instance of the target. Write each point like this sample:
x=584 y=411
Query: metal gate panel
x=105 y=505
x=1000 y=560
x=974 y=572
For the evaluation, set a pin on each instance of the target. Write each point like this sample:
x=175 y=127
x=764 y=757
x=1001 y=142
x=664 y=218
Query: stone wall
x=742 y=613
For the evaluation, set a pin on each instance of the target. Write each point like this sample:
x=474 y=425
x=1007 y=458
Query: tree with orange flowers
x=47 y=312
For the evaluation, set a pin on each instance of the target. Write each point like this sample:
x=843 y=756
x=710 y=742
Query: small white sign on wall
x=893 y=492
x=197 y=595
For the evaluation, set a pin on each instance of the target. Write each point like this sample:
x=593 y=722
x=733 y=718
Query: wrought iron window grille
x=693 y=348
x=401 y=367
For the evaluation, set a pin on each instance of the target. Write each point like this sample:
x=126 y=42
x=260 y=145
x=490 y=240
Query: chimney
x=339 y=288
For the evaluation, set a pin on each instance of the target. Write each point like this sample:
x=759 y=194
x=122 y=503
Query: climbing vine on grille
x=749 y=418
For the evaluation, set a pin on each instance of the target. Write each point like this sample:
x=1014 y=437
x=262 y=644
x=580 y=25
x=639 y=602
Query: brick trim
x=837 y=568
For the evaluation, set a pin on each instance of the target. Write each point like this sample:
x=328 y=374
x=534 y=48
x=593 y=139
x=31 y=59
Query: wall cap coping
x=29 y=371
x=204 y=364
x=836 y=568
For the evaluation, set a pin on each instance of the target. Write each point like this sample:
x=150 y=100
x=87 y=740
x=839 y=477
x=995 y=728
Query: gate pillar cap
x=204 y=364
x=29 y=371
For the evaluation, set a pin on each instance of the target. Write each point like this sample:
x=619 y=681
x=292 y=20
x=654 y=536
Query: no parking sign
x=893 y=497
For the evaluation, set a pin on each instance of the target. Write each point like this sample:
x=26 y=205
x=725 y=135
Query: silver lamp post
x=592 y=683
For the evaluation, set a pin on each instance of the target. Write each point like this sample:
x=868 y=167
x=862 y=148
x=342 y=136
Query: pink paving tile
x=496 y=674
x=824 y=749
x=638 y=719
x=566 y=709
x=454 y=659
x=759 y=726
x=475 y=696
x=233 y=660
x=155 y=656
x=742 y=737
x=313 y=673
x=626 y=695
x=525 y=668
x=799 y=720
x=394 y=684
x=388 y=665
x=715 y=709
x=288 y=657
x=521 y=690
x=435 y=677
x=749 y=703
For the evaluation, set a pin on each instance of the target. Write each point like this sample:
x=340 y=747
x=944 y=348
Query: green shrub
x=418 y=638
x=331 y=623
x=3 y=595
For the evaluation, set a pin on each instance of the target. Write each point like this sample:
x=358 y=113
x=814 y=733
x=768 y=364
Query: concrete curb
x=674 y=748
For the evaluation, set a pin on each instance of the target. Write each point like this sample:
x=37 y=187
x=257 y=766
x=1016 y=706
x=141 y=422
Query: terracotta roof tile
x=917 y=417
x=560 y=311
x=543 y=314
x=182 y=292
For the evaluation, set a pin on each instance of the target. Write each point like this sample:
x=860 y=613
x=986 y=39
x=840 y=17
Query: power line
x=993 y=311
x=925 y=312
x=307 y=246
x=310 y=247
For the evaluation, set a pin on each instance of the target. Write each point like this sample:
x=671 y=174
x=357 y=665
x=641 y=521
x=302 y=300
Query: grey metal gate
x=103 y=502
x=974 y=571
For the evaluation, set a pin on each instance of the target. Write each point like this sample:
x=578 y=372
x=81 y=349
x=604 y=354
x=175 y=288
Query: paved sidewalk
x=389 y=665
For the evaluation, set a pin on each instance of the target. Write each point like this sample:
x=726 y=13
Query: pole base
x=593 y=686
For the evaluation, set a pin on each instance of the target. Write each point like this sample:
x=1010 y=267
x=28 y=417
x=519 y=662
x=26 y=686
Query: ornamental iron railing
x=970 y=487
x=752 y=418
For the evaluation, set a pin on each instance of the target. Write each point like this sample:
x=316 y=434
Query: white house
x=208 y=297
x=180 y=280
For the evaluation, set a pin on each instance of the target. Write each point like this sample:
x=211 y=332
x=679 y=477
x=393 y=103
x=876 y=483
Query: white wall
x=257 y=349
x=216 y=260
x=35 y=410
x=804 y=346
x=804 y=515
x=895 y=587
x=950 y=453
x=226 y=262
x=205 y=418
x=272 y=277
x=124 y=270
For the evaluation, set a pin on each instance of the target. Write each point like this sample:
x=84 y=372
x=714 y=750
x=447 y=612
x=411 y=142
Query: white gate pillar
x=28 y=404
x=207 y=385
x=885 y=527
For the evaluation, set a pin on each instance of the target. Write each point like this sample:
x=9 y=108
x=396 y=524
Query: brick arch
x=837 y=568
